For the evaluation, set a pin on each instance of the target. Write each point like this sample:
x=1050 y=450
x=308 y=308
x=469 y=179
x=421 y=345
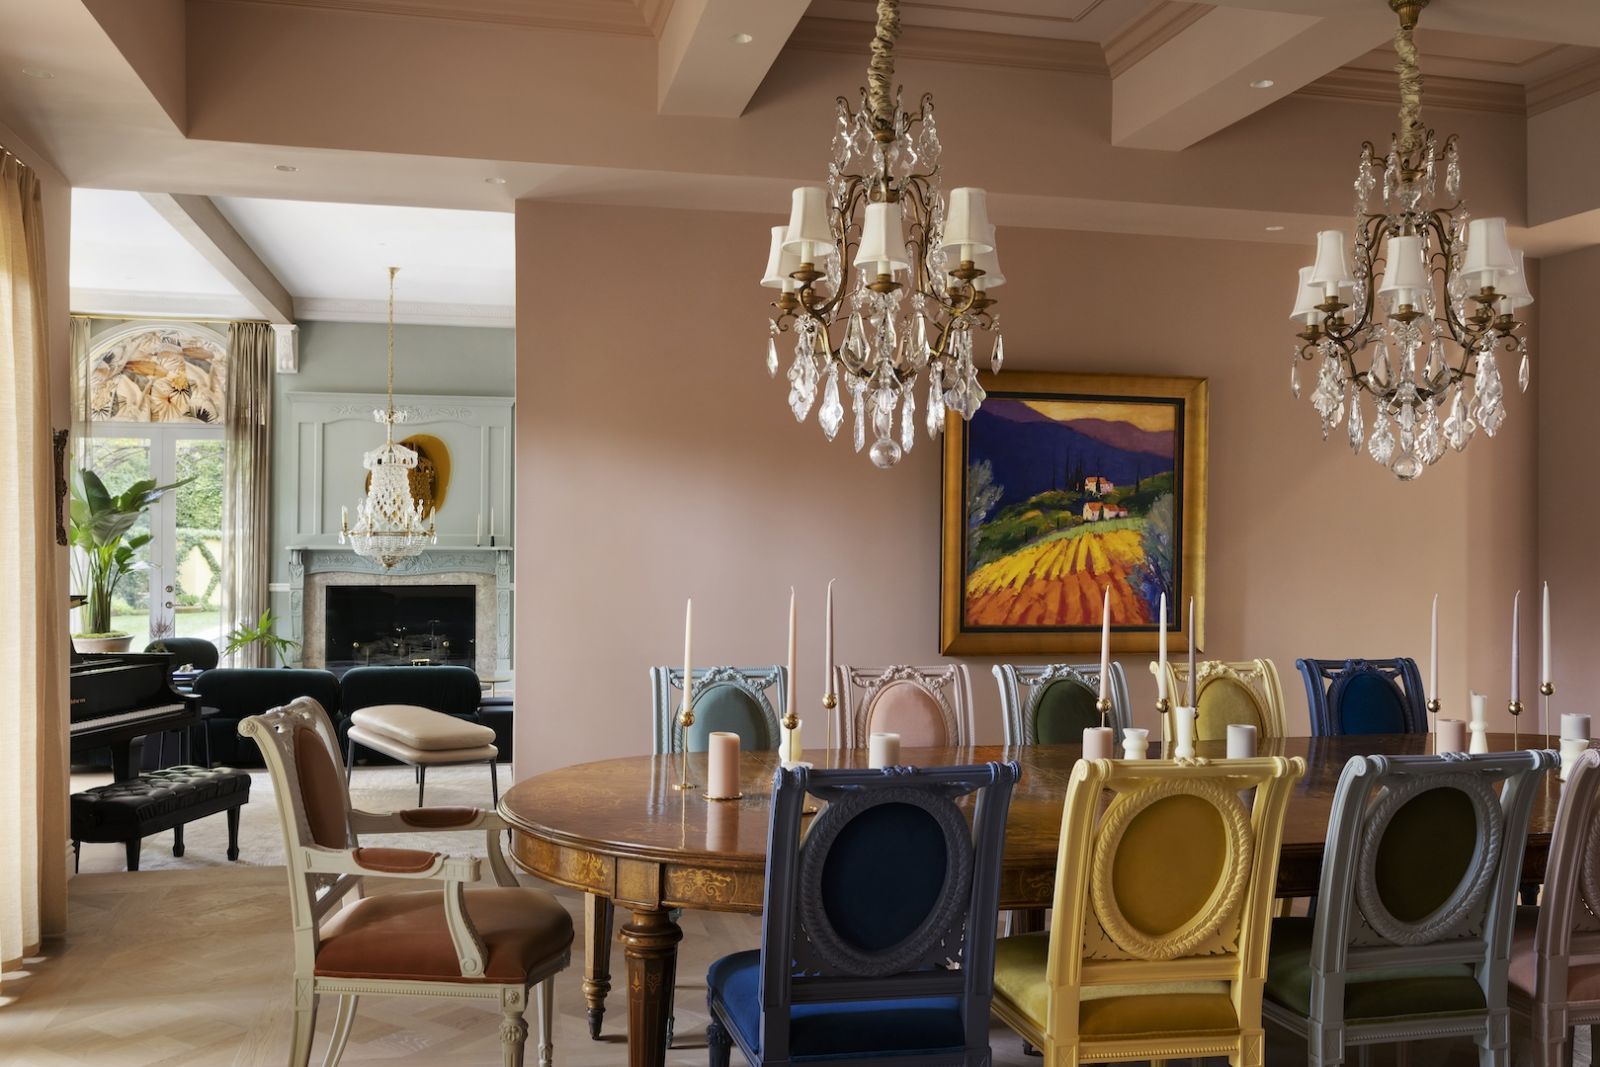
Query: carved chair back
x=892 y=894
x=1569 y=910
x=1364 y=696
x=1172 y=881
x=1052 y=704
x=1249 y=691
x=748 y=701
x=926 y=706
x=1421 y=868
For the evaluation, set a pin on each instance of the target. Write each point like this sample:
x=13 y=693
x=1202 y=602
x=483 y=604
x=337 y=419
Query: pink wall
x=657 y=461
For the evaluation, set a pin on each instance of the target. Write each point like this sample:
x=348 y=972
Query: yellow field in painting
x=1060 y=581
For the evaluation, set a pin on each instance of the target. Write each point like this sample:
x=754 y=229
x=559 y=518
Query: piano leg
x=133 y=853
x=177 y=840
x=126 y=757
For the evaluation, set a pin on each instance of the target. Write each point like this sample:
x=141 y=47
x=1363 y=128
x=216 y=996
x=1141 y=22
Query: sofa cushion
x=419 y=728
x=451 y=690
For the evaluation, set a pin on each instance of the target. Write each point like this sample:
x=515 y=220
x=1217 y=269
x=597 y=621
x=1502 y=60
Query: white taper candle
x=1105 y=647
x=1161 y=671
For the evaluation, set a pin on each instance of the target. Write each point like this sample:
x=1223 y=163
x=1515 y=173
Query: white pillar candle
x=1135 y=742
x=1161 y=670
x=1575 y=725
x=1516 y=649
x=1433 y=652
x=1479 y=727
x=1544 y=638
x=1183 y=733
x=1099 y=742
x=1452 y=735
x=1105 y=648
x=1241 y=740
x=1571 y=749
x=1189 y=694
x=722 y=764
x=883 y=750
x=827 y=646
x=688 y=659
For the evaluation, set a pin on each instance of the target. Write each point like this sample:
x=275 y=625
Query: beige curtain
x=246 y=518
x=32 y=616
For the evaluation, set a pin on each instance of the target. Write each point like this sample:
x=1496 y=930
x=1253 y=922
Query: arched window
x=174 y=372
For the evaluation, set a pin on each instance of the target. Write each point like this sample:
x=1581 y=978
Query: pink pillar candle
x=1452 y=735
x=722 y=765
x=1099 y=742
x=722 y=827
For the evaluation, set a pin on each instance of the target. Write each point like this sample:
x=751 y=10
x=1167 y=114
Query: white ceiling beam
x=702 y=68
x=200 y=223
x=1197 y=80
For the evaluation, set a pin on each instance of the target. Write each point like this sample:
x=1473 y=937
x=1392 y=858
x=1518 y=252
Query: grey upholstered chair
x=748 y=701
x=1555 y=951
x=1412 y=937
x=926 y=706
x=1053 y=704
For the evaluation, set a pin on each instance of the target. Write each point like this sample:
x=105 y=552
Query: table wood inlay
x=618 y=829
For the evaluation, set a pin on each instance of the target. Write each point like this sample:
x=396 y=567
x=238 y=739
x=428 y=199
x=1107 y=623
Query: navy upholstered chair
x=1053 y=704
x=748 y=701
x=1364 y=696
x=878 y=930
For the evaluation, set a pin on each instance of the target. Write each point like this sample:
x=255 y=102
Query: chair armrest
x=405 y=863
x=419 y=820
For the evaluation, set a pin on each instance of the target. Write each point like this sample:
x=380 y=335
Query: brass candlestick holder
x=1515 y=708
x=1103 y=706
x=1433 y=709
x=1546 y=691
x=685 y=720
x=1163 y=706
x=829 y=702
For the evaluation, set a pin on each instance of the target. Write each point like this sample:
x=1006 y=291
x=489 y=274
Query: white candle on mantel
x=1544 y=639
x=491 y=524
x=688 y=660
x=1516 y=648
x=1433 y=652
x=1188 y=698
x=1105 y=647
x=1161 y=671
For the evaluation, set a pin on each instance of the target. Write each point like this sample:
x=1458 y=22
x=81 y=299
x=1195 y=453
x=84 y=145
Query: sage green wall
x=348 y=357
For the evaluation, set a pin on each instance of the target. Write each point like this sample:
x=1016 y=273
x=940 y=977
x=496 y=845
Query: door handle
x=169 y=589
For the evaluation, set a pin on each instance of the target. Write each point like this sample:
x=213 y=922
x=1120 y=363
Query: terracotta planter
x=102 y=644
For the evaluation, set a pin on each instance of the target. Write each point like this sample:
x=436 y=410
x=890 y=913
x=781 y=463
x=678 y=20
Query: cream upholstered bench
x=422 y=738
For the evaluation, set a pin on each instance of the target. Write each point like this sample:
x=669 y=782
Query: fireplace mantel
x=312 y=568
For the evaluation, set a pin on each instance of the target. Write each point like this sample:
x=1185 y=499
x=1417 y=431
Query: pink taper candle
x=827 y=645
x=1433 y=652
x=1544 y=639
x=1105 y=646
x=1161 y=672
x=1516 y=647
x=1188 y=695
x=794 y=693
x=688 y=658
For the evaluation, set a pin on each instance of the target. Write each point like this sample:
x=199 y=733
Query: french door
x=177 y=590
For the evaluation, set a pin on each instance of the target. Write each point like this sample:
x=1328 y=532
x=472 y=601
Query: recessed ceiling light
x=1274 y=229
x=1262 y=83
x=287 y=168
x=38 y=72
x=741 y=38
x=495 y=181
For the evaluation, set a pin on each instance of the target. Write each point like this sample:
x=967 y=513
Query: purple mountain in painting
x=1030 y=453
x=1122 y=435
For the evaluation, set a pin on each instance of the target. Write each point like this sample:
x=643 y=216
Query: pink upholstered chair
x=926 y=706
x=1555 y=953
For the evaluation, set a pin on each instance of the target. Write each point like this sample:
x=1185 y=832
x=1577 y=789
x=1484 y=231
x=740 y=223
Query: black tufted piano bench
x=155 y=801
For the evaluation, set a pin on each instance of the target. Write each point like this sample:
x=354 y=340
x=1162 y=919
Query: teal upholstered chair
x=748 y=701
x=877 y=929
x=1412 y=936
x=1055 y=703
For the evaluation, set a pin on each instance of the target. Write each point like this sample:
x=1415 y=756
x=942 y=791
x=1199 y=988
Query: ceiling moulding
x=955 y=46
x=1150 y=31
x=141 y=304
x=1564 y=88
x=594 y=16
x=654 y=13
x=411 y=312
x=1378 y=87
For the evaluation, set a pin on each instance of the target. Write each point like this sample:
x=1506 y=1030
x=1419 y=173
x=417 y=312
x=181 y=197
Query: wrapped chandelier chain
x=392 y=272
x=1405 y=50
x=880 y=69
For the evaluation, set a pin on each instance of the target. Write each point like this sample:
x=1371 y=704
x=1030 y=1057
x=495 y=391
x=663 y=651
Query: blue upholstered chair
x=1364 y=696
x=748 y=701
x=878 y=930
x=1053 y=704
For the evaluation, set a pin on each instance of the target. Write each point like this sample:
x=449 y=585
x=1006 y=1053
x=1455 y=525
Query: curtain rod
x=162 y=318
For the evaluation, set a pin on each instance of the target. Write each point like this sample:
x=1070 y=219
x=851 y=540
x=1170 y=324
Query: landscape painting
x=1061 y=488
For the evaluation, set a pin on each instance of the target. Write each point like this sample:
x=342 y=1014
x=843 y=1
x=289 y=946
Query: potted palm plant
x=264 y=633
x=101 y=527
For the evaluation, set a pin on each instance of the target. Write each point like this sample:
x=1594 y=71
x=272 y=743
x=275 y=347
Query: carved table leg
x=650 y=944
x=597 y=919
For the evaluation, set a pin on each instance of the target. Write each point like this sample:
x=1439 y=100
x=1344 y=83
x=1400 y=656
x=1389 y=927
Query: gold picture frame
x=1090 y=479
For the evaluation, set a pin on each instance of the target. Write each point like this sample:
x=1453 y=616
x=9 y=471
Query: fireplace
x=405 y=624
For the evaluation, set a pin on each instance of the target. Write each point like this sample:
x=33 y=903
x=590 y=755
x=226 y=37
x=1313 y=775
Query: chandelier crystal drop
x=881 y=260
x=390 y=525
x=1429 y=295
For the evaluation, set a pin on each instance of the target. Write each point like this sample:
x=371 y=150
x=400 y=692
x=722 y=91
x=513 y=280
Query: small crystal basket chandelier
x=390 y=525
x=884 y=215
x=1436 y=311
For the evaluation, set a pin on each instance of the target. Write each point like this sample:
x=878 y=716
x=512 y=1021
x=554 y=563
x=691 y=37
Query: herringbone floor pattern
x=188 y=963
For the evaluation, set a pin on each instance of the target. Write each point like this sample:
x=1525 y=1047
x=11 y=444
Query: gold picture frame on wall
x=1063 y=485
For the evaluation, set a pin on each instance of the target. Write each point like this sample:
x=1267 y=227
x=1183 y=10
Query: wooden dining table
x=621 y=830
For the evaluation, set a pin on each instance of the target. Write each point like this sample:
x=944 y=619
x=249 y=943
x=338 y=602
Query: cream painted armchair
x=490 y=944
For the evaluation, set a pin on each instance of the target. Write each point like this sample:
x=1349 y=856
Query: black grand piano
x=119 y=698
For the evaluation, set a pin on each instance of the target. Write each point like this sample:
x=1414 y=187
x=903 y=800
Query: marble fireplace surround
x=488 y=570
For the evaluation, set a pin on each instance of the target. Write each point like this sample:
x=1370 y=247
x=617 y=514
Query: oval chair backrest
x=1061 y=709
x=1224 y=701
x=747 y=701
x=907 y=707
x=730 y=707
x=1364 y=701
x=301 y=750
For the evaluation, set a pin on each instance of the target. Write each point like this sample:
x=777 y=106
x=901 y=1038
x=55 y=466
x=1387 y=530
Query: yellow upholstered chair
x=1225 y=693
x=1162 y=912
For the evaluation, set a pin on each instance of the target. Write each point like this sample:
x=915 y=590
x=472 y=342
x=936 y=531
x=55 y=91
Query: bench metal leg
x=77 y=846
x=494 y=782
x=422 y=782
x=233 y=831
x=349 y=758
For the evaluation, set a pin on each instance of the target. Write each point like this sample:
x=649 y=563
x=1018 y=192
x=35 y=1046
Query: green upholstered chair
x=926 y=706
x=748 y=701
x=1053 y=704
x=1162 y=908
x=1226 y=693
x=1555 y=948
x=1412 y=936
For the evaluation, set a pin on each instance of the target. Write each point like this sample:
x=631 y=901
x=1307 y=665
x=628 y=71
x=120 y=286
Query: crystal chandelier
x=390 y=525
x=884 y=215
x=1432 y=294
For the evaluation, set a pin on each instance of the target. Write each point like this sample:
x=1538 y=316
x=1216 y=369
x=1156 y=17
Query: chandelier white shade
x=390 y=524
x=879 y=258
x=1427 y=300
